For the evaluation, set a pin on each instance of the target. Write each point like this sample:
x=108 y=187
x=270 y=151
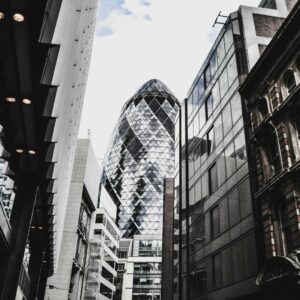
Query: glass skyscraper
x=140 y=156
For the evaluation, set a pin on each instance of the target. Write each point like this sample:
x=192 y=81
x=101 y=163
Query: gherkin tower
x=139 y=157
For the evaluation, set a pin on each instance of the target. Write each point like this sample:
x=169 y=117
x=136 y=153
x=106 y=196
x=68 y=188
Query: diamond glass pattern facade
x=140 y=156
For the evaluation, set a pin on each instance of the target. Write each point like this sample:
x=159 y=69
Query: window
x=200 y=86
x=207 y=76
x=121 y=267
x=213 y=179
x=236 y=108
x=262 y=109
x=289 y=81
x=293 y=137
x=240 y=149
x=202 y=116
x=122 y=254
x=218 y=130
x=269 y=4
x=230 y=160
x=270 y=153
x=215 y=221
x=97 y=231
x=283 y=234
x=209 y=106
x=210 y=141
x=195 y=95
x=217 y=270
x=99 y=218
x=227 y=121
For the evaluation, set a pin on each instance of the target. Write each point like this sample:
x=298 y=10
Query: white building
x=103 y=259
x=69 y=280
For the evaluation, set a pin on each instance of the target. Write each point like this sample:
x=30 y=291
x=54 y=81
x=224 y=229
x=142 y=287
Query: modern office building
x=140 y=156
x=215 y=230
x=45 y=53
x=103 y=257
x=68 y=282
x=271 y=94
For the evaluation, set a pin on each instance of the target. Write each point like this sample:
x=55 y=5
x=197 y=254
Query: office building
x=140 y=156
x=103 y=257
x=271 y=95
x=45 y=53
x=68 y=282
x=215 y=249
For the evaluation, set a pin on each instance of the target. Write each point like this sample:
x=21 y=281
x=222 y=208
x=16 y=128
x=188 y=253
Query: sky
x=138 y=40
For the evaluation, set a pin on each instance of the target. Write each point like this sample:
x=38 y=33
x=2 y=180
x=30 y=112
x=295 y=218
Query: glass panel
x=216 y=94
x=217 y=270
x=234 y=207
x=224 y=219
x=240 y=149
x=221 y=170
x=215 y=221
x=213 y=64
x=228 y=38
x=245 y=198
x=223 y=83
x=232 y=70
x=236 y=107
x=230 y=160
x=209 y=103
x=227 y=121
x=213 y=179
x=200 y=86
x=218 y=130
x=221 y=52
x=202 y=116
x=210 y=141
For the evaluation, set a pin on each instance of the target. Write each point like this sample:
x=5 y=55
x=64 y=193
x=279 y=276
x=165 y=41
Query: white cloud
x=167 y=39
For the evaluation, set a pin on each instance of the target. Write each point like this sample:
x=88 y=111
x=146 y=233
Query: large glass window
x=232 y=70
x=240 y=149
x=215 y=221
x=236 y=108
x=210 y=141
x=217 y=270
x=218 y=130
x=209 y=106
x=223 y=83
x=202 y=116
x=213 y=179
x=230 y=160
x=200 y=86
x=227 y=121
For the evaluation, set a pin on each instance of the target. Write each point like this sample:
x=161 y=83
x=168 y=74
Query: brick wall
x=266 y=26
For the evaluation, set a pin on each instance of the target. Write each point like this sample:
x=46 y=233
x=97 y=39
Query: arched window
x=289 y=81
x=262 y=109
x=282 y=228
x=271 y=158
x=293 y=136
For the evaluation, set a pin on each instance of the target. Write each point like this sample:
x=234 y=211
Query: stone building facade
x=271 y=93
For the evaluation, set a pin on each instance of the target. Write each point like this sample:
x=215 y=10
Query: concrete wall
x=74 y=33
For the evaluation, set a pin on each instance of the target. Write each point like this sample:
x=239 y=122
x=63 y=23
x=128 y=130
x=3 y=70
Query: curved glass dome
x=140 y=156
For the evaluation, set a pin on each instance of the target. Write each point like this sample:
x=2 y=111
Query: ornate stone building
x=272 y=95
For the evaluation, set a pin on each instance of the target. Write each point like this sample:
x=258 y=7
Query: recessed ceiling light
x=19 y=150
x=1 y=15
x=18 y=17
x=26 y=101
x=32 y=152
x=10 y=99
